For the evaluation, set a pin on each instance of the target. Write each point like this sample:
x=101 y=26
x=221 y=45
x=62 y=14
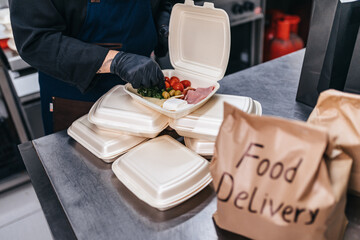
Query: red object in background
x=270 y=31
x=281 y=44
x=294 y=22
x=303 y=10
x=294 y=37
x=286 y=40
x=277 y=30
x=3 y=43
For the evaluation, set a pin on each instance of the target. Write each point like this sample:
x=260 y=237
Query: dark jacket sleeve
x=165 y=8
x=164 y=11
x=38 y=29
x=162 y=18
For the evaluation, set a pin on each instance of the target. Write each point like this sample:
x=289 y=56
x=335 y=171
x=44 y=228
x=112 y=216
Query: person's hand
x=137 y=70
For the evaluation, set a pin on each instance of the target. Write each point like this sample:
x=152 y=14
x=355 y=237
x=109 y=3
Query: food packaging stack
x=159 y=170
x=201 y=127
x=6 y=36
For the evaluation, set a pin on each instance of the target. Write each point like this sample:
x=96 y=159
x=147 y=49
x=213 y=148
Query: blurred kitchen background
x=261 y=30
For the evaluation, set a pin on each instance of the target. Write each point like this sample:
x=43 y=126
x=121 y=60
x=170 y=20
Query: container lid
x=205 y=122
x=205 y=147
x=199 y=39
x=4 y=16
x=201 y=147
x=162 y=172
x=117 y=111
x=103 y=144
x=257 y=110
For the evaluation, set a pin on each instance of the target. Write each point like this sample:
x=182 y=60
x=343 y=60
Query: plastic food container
x=105 y=145
x=205 y=148
x=202 y=147
x=5 y=16
x=199 y=48
x=205 y=122
x=162 y=172
x=117 y=111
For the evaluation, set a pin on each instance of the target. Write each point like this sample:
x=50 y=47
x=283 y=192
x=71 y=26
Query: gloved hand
x=137 y=70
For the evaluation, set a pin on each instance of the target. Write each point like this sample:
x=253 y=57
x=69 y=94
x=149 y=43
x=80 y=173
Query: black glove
x=137 y=70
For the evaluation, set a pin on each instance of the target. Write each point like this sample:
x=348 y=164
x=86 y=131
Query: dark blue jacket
x=46 y=32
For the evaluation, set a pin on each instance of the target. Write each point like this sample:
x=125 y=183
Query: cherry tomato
x=167 y=79
x=178 y=86
x=186 y=83
x=173 y=77
x=174 y=80
x=167 y=84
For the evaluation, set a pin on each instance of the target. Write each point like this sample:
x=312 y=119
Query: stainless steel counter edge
x=53 y=211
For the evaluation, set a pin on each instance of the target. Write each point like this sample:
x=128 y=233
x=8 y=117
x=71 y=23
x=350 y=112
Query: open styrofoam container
x=199 y=48
x=162 y=172
x=205 y=122
x=117 y=111
x=106 y=145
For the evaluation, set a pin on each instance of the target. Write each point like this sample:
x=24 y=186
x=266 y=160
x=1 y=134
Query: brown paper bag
x=339 y=112
x=272 y=181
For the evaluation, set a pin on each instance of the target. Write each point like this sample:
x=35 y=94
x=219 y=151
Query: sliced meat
x=195 y=96
x=186 y=90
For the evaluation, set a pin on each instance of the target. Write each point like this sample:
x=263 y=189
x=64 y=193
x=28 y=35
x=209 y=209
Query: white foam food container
x=205 y=148
x=202 y=147
x=106 y=145
x=199 y=48
x=5 y=16
x=162 y=172
x=205 y=122
x=117 y=111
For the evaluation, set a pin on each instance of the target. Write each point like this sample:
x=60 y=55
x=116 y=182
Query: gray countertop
x=83 y=199
x=273 y=84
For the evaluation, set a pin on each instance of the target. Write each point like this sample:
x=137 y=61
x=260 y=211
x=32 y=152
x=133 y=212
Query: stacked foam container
x=122 y=127
x=5 y=28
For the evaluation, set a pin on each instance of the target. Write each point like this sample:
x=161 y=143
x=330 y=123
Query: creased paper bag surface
x=339 y=112
x=272 y=181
